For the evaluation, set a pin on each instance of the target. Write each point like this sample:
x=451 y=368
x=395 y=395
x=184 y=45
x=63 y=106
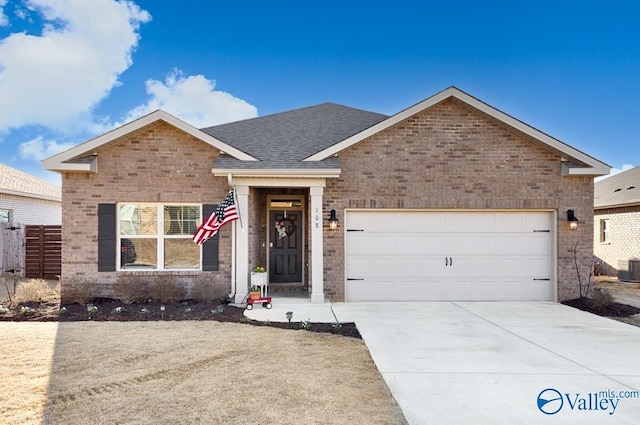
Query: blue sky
x=73 y=69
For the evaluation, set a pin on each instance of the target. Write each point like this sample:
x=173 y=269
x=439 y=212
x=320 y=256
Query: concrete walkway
x=490 y=362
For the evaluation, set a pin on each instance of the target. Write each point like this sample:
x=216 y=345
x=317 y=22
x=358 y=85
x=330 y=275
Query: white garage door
x=466 y=255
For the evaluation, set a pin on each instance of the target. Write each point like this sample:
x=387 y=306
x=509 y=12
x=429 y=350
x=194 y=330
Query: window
x=5 y=215
x=158 y=236
x=605 y=230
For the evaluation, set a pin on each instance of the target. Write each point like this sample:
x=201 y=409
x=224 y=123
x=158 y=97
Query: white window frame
x=159 y=237
x=9 y=215
x=605 y=230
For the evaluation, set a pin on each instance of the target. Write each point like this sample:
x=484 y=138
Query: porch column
x=242 y=244
x=317 y=254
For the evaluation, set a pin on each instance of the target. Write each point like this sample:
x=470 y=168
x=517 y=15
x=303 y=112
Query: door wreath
x=285 y=227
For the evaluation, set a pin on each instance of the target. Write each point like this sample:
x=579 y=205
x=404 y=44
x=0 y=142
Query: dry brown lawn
x=186 y=373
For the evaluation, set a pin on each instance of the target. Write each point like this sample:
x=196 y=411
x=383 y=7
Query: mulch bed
x=612 y=309
x=108 y=311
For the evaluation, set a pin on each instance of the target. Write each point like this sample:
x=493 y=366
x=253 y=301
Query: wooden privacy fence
x=43 y=251
x=12 y=248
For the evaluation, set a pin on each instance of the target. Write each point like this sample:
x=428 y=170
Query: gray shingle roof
x=621 y=189
x=283 y=140
x=18 y=183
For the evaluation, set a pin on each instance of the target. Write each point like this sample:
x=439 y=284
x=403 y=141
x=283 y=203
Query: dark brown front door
x=285 y=252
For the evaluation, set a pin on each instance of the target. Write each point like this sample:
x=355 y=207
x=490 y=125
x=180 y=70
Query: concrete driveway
x=491 y=362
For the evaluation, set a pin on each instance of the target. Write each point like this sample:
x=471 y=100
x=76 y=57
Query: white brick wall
x=624 y=242
x=32 y=211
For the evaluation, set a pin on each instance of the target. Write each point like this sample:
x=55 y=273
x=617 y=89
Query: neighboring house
x=450 y=199
x=27 y=199
x=617 y=221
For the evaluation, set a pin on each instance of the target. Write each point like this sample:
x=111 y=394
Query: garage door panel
x=359 y=244
x=466 y=255
x=410 y=244
x=384 y=290
x=360 y=268
x=536 y=245
x=386 y=223
x=484 y=290
x=484 y=223
x=385 y=266
x=483 y=245
x=359 y=290
x=383 y=243
x=459 y=223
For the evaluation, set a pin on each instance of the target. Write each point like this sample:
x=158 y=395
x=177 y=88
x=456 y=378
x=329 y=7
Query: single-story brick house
x=449 y=199
x=617 y=221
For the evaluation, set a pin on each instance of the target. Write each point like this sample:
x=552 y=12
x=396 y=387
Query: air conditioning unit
x=629 y=270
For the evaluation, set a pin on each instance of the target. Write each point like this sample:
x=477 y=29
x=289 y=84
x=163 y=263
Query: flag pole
x=235 y=200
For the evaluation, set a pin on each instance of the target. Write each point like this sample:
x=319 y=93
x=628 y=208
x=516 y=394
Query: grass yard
x=186 y=372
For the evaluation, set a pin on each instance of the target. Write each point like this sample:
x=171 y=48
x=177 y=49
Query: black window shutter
x=210 y=249
x=106 y=237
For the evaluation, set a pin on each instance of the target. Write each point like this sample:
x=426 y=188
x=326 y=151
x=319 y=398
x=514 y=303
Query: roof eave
x=31 y=195
x=52 y=164
x=279 y=172
x=621 y=205
x=585 y=171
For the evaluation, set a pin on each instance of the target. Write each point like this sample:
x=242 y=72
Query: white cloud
x=193 y=99
x=4 y=21
x=62 y=74
x=615 y=171
x=39 y=148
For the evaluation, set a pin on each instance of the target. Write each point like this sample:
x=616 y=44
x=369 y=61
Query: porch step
x=287 y=288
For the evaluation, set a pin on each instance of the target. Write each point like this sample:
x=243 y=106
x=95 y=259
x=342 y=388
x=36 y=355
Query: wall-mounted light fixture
x=572 y=219
x=333 y=220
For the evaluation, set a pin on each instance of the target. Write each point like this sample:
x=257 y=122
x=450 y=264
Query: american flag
x=224 y=213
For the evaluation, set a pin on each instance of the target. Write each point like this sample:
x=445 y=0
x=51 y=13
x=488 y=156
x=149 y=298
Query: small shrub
x=27 y=311
x=166 y=289
x=34 y=290
x=131 y=288
x=3 y=309
x=306 y=324
x=601 y=297
x=76 y=290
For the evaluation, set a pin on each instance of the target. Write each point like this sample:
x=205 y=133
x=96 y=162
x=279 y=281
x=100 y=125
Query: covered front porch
x=280 y=228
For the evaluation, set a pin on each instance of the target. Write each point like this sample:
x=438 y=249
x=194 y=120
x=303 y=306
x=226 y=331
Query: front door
x=285 y=246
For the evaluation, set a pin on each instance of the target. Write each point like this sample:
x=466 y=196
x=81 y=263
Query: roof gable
x=580 y=163
x=82 y=157
x=620 y=190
